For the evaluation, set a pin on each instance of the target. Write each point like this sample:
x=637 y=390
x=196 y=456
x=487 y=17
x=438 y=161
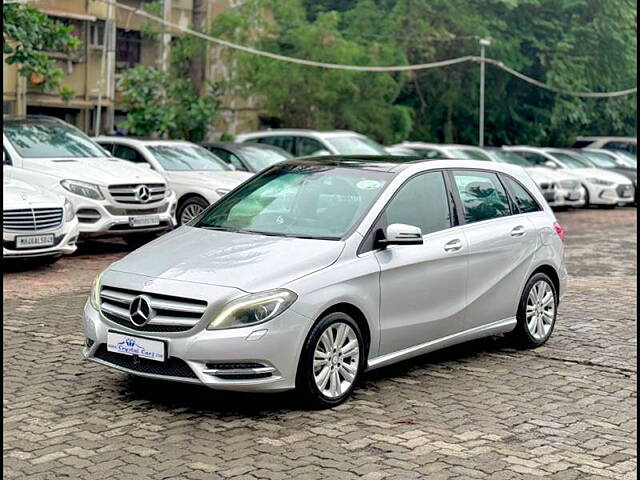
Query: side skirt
x=494 y=328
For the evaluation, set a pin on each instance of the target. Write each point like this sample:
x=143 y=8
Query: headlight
x=253 y=309
x=222 y=191
x=83 y=189
x=69 y=212
x=597 y=181
x=94 y=296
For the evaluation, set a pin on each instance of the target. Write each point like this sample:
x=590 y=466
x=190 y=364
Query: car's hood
x=543 y=174
x=17 y=194
x=100 y=170
x=600 y=174
x=218 y=179
x=630 y=173
x=249 y=262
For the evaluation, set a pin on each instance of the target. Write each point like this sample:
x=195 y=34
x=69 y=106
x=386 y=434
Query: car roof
x=618 y=139
x=298 y=131
x=142 y=141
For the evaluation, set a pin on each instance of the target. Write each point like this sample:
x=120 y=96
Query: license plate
x=136 y=346
x=144 y=221
x=573 y=195
x=549 y=196
x=32 y=241
x=626 y=192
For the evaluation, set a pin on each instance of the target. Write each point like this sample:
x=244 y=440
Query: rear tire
x=537 y=312
x=190 y=208
x=332 y=360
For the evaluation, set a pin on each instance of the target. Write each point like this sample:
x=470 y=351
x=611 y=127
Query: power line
x=362 y=68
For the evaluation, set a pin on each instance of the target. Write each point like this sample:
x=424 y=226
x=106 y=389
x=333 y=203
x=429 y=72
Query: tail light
x=559 y=230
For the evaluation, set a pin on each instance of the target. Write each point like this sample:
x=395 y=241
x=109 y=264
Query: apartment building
x=91 y=72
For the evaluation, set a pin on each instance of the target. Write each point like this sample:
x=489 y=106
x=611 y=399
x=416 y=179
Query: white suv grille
x=138 y=193
x=30 y=219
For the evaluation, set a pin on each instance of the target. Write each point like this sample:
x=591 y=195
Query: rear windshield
x=50 y=139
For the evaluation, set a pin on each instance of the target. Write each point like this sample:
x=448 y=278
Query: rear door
x=422 y=287
x=501 y=243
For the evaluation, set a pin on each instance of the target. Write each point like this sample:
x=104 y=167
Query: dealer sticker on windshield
x=368 y=185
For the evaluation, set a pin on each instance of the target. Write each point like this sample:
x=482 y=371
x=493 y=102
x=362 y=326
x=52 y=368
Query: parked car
x=402 y=151
x=602 y=187
x=198 y=177
x=111 y=197
x=629 y=144
x=318 y=269
x=436 y=150
x=248 y=157
x=560 y=188
x=36 y=224
x=302 y=143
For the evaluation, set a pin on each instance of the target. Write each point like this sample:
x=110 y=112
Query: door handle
x=453 y=245
x=518 y=231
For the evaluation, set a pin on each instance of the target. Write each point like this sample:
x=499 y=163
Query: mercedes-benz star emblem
x=143 y=194
x=140 y=311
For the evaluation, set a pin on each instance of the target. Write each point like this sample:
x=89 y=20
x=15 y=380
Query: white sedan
x=36 y=224
x=197 y=176
x=602 y=187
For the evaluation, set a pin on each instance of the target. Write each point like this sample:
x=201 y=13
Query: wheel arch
x=551 y=273
x=359 y=317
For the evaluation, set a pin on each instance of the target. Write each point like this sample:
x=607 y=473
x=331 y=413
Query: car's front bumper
x=65 y=237
x=275 y=346
x=564 y=197
x=104 y=218
x=611 y=195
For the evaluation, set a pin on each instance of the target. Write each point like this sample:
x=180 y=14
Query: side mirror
x=401 y=234
x=550 y=164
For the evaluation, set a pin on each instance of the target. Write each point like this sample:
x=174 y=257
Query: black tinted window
x=524 y=200
x=228 y=157
x=309 y=146
x=421 y=202
x=285 y=143
x=483 y=196
x=128 y=153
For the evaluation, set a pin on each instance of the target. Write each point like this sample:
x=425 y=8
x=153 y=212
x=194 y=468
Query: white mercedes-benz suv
x=36 y=224
x=111 y=197
x=198 y=176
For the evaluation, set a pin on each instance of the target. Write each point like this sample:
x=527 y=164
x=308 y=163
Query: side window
x=128 y=153
x=285 y=143
x=308 y=146
x=620 y=146
x=524 y=200
x=6 y=158
x=421 y=202
x=483 y=196
x=107 y=146
x=228 y=157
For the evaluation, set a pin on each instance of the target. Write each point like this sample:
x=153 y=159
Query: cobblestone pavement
x=480 y=410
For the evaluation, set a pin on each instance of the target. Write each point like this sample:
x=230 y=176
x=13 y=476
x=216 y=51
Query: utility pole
x=111 y=66
x=166 y=36
x=484 y=42
x=103 y=66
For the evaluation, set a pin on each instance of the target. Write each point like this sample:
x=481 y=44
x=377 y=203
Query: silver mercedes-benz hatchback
x=318 y=269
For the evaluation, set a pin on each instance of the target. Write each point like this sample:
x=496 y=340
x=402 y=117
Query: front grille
x=130 y=193
x=31 y=219
x=172 y=367
x=135 y=211
x=169 y=314
x=569 y=184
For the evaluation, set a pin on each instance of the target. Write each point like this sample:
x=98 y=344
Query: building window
x=128 y=48
x=96 y=34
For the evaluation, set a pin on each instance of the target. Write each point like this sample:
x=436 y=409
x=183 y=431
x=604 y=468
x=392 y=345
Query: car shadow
x=197 y=399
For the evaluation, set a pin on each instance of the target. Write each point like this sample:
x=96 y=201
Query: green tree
x=27 y=36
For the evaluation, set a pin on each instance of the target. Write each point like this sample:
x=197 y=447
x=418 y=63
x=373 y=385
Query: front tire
x=331 y=362
x=190 y=209
x=537 y=312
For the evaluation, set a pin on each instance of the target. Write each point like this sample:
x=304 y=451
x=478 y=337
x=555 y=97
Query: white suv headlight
x=83 y=189
x=597 y=181
x=253 y=309
x=69 y=212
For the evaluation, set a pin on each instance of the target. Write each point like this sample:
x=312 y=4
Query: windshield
x=181 y=158
x=629 y=159
x=570 y=161
x=356 y=145
x=50 y=139
x=510 y=157
x=305 y=201
x=261 y=158
x=601 y=159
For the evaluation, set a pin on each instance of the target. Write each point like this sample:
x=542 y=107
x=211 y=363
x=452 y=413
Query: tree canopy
x=585 y=45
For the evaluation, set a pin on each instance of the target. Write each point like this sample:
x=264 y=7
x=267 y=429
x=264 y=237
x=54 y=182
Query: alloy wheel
x=335 y=360
x=190 y=212
x=540 y=311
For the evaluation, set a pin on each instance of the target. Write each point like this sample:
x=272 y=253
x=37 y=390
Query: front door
x=422 y=287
